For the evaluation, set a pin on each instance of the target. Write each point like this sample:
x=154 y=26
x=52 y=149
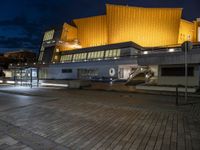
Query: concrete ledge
x=165 y=88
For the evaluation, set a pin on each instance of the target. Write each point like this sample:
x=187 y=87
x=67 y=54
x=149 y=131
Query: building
x=114 y=45
x=11 y=61
x=148 y=27
x=169 y=65
x=113 y=61
x=21 y=56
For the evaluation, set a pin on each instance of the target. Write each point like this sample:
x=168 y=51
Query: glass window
x=89 y=55
x=176 y=71
x=107 y=54
x=118 y=53
x=95 y=54
x=66 y=58
x=61 y=58
x=112 y=53
x=92 y=55
x=98 y=54
x=57 y=50
x=102 y=54
x=66 y=70
x=55 y=57
x=48 y=35
x=84 y=56
x=79 y=57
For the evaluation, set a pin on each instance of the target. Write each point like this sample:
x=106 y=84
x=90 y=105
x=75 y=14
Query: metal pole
x=15 y=76
x=186 y=73
x=31 y=78
x=21 y=76
x=38 y=80
x=176 y=95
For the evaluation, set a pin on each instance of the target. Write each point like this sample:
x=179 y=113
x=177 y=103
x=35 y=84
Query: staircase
x=140 y=75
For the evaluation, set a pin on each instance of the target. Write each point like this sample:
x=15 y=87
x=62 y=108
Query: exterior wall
x=69 y=33
x=177 y=80
x=170 y=58
x=55 y=72
x=145 y=26
x=199 y=34
x=48 y=35
x=197 y=30
x=103 y=67
x=186 y=31
x=92 y=31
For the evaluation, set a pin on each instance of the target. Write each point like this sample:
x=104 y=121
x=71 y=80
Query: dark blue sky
x=22 y=22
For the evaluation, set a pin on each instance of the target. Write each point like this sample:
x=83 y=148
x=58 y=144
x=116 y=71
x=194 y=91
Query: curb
x=146 y=92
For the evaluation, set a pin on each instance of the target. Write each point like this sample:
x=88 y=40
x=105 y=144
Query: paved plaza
x=62 y=119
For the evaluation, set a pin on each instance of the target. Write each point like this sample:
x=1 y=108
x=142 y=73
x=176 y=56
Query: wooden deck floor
x=91 y=121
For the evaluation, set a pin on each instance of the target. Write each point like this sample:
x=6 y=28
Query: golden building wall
x=92 y=31
x=196 y=31
x=69 y=33
x=144 y=26
x=186 y=31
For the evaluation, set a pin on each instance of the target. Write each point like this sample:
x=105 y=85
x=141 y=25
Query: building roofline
x=83 y=18
x=105 y=47
x=133 y=6
x=122 y=45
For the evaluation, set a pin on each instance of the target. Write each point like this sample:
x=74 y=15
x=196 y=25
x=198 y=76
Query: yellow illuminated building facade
x=68 y=39
x=145 y=26
x=148 y=27
x=92 y=31
x=186 y=31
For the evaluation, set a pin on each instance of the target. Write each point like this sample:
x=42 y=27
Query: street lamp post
x=186 y=46
x=186 y=74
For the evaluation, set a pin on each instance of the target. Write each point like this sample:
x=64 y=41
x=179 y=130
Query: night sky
x=23 y=22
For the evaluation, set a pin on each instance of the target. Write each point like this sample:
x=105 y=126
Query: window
x=89 y=55
x=66 y=70
x=101 y=54
x=112 y=53
x=79 y=57
x=95 y=55
x=176 y=71
x=48 y=35
x=66 y=58
x=57 y=50
x=55 y=57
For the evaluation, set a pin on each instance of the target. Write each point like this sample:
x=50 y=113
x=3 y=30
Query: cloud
x=18 y=42
x=22 y=22
x=26 y=21
x=20 y=33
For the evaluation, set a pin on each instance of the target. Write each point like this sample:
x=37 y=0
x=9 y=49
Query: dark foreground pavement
x=61 y=119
